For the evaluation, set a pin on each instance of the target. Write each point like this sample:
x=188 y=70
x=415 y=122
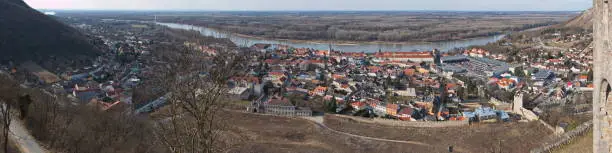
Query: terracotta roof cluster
x=425 y=54
x=476 y=51
x=504 y=82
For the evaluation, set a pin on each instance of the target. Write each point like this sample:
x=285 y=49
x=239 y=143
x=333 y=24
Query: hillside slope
x=26 y=34
x=584 y=20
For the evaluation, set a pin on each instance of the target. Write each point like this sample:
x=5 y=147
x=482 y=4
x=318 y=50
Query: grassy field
x=271 y=134
x=506 y=137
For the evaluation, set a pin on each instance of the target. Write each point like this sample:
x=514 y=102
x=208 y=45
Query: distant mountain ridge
x=27 y=34
x=584 y=20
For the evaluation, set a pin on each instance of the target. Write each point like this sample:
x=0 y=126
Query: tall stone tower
x=517 y=103
x=602 y=102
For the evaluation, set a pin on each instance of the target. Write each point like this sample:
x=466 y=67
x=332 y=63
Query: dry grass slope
x=583 y=144
x=585 y=20
x=271 y=134
x=507 y=137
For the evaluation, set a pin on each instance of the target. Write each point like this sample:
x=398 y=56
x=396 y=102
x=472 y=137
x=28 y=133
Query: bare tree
x=8 y=96
x=5 y=111
x=197 y=96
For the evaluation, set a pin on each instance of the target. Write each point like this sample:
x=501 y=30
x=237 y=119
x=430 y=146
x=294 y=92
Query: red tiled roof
x=407 y=111
x=358 y=104
x=392 y=109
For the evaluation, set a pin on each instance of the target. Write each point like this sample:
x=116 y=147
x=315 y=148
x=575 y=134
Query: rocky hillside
x=585 y=20
x=27 y=34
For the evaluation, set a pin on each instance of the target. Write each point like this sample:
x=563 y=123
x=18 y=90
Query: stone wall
x=564 y=138
x=399 y=123
x=602 y=68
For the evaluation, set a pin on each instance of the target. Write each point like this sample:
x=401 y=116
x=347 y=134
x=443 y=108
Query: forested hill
x=27 y=34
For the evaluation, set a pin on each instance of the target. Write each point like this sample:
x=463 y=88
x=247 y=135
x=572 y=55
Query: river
x=365 y=47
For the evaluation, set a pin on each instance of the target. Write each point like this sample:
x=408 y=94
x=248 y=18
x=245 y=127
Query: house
x=281 y=107
x=319 y=91
x=392 y=109
x=357 y=106
x=485 y=113
x=247 y=81
x=240 y=93
x=409 y=92
x=543 y=75
x=208 y=50
x=409 y=72
x=321 y=53
x=476 y=52
x=539 y=83
x=405 y=114
x=380 y=109
x=423 y=70
x=583 y=78
x=506 y=83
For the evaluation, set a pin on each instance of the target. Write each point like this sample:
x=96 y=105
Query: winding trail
x=318 y=120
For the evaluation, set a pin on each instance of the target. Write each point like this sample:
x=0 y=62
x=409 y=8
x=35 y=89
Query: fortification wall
x=398 y=123
x=564 y=138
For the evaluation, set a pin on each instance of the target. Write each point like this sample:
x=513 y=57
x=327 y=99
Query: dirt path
x=25 y=142
x=318 y=120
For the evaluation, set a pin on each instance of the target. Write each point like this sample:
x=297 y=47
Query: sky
x=316 y=5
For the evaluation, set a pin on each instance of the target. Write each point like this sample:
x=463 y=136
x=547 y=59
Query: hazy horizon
x=312 y=5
